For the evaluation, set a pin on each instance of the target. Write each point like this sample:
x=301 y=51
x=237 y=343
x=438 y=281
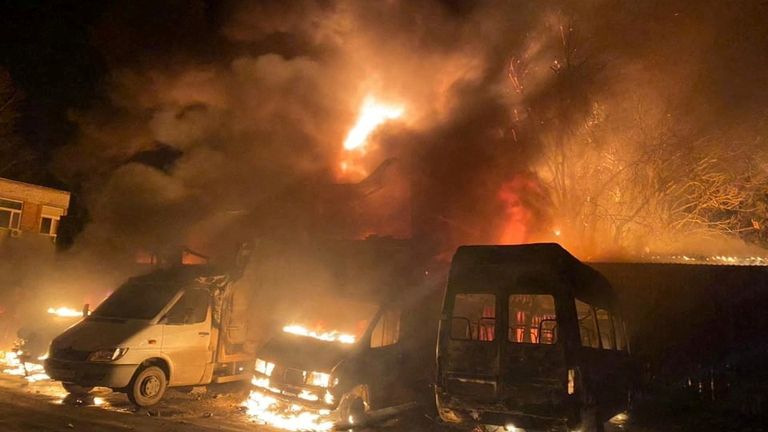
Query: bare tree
x=14 y=157
x=631 y=175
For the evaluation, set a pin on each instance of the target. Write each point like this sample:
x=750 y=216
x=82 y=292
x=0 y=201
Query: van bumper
x=89 y=374
x=452 y=409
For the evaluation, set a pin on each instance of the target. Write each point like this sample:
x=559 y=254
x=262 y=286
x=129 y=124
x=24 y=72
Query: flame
x=267 y=410
x=65 y=312
x=32 y=372
x=372 y=115
x=330 y=336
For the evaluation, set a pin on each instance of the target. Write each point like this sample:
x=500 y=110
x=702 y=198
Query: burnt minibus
x=530 y=338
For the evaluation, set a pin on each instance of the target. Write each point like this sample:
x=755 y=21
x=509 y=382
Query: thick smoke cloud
x=619 y=128
x=246 y=106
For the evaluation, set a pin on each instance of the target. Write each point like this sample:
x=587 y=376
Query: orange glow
x=65 y=312
x=329 y=336
x=372 y=115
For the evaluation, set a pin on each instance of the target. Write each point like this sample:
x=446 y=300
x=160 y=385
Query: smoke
x=237 y=119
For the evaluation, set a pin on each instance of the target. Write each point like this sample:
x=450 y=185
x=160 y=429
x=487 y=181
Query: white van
x=172 y=327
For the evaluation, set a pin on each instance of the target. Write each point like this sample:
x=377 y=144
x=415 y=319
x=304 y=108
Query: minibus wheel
x=353 y=407
x=147 y=387
x=590 y=420
x=76 y=389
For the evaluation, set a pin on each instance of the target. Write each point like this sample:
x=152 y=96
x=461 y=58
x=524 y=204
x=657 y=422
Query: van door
x=187 y=337
x=604 y=359
x=533 y=361
x=383 y=360
x=469 y=362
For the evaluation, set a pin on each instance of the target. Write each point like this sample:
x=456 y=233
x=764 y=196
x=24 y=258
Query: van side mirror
x=86 y=310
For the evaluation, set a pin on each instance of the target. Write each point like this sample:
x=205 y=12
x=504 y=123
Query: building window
x=10 y=213
x=47 y=226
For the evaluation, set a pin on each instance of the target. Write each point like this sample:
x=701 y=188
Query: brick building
x=28 y=210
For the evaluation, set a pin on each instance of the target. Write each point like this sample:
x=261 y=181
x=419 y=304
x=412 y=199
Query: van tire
x=76 y=389
x=147 y=386
x=590 y=420
x=354 y=406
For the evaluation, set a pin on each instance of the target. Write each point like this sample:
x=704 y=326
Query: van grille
x=69 y=354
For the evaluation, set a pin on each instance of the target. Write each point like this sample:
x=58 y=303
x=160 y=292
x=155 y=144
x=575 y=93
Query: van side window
x=621 y=337
x=474 y=317
x=387 y=330
x=191 y=308
x=587 y=325
x=605 y=325
x=532 y=319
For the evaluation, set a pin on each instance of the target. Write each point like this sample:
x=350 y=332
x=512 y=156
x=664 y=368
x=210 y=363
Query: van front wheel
x=147 y=387
x=590 y=420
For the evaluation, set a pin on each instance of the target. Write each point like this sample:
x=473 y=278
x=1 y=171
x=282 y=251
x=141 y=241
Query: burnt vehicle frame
x=380 y=375
x=556 y=373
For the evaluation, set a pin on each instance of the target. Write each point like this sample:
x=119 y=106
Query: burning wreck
x=530 y=338
x=356 y=357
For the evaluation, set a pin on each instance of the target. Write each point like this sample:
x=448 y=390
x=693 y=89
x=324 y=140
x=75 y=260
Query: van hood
x=305 y=353
x=99 y=333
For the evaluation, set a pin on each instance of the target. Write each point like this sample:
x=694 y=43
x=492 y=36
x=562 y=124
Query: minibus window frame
x=495 y=319
x=510 y=327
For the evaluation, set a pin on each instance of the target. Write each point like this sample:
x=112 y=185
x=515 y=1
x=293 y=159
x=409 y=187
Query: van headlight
x=321 y=379
x=264 y=367
x=107 y=355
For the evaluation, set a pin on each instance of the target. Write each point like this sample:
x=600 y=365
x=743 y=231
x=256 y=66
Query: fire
x=372 y=115
x=330 y=336
x=65 y=312
x=14 y=365
x=266 y=409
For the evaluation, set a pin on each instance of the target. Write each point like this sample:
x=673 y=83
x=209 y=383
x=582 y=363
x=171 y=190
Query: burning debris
x=265 y=407
x=15 y=363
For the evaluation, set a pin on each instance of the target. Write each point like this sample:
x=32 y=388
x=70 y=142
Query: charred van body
x=357 y=356
x=530 y=338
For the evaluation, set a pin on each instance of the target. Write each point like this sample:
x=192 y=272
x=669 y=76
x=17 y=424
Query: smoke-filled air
x=620 y=129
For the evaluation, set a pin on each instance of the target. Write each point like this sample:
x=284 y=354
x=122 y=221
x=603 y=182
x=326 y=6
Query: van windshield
x=137 y=300
x=332 y=320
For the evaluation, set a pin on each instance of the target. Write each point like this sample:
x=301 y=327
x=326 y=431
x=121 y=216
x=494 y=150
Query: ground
x=44 y=406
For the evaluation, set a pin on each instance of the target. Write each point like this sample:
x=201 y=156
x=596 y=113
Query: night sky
x=60 y=53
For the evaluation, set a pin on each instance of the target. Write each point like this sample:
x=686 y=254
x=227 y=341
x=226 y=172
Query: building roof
x=21 y=191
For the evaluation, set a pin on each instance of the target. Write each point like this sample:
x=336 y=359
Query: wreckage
x=357 y=357
x=530 y=338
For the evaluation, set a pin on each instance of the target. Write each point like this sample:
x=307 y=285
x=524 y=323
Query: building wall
x=38 y=201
